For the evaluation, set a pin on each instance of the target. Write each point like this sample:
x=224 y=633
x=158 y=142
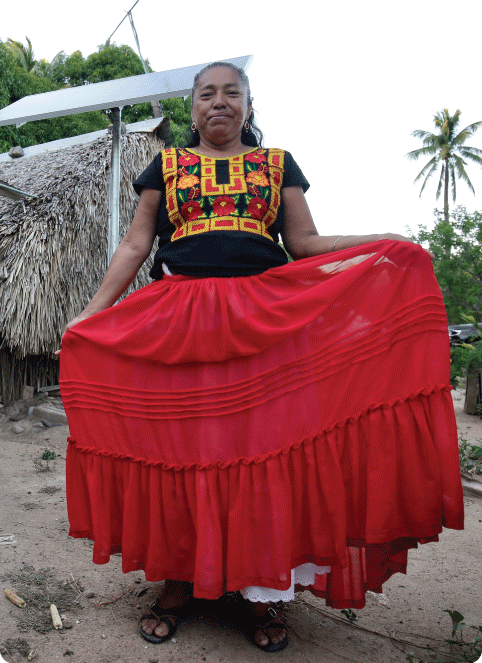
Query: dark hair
x=253 y=136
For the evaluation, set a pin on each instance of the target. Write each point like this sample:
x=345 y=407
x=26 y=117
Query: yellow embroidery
x=195 y=202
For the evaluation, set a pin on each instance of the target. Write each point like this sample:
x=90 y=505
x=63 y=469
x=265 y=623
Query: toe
x=261 y=638
x=148 y=625
x=163 y=629
x=277 y=635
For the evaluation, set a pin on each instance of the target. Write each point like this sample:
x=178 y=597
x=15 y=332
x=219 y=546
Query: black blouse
x=220 y=217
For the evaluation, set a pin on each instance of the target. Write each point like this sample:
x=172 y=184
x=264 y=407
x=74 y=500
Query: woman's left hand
x=401 y=238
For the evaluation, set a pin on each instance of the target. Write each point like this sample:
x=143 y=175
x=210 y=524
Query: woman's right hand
x=78 y=318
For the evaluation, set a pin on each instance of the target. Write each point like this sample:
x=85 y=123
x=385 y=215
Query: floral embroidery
x=257 y=177
x=188 y=159
x=187 y=181
x=249 y=201
x=255 y=157
x=257 y=208
x=191 y=210
x=223 y=205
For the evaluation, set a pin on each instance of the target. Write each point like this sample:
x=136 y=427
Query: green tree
x=449 y=153
x=457 y=247
x=16 y=82
x=108 y=63
x=24 y=55
x=178 y=110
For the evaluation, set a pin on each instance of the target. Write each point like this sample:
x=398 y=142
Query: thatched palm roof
x=53 y=249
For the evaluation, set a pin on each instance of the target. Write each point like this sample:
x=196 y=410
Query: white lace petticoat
x=302 y=575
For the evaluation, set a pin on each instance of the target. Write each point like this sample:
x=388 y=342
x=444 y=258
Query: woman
x=245 y=424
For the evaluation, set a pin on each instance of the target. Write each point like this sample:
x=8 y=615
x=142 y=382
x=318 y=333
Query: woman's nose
x=219 y=100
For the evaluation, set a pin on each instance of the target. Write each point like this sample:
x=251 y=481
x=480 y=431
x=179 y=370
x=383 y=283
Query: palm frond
x=432 y=164
x=460 y=167
x=421 y=152
x=423 y=135
x=441 y=181
x=471 y=150
x=476 y=158
x=432 y=170
x=472 y=128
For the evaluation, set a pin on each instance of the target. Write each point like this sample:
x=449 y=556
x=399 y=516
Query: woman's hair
x=253 y=135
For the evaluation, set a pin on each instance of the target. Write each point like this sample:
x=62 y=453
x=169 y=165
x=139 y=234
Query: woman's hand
x=401 y=238
x=78 y=318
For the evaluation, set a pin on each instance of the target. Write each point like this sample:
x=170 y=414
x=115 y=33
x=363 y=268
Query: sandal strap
x=269 y=616
x=175 y=611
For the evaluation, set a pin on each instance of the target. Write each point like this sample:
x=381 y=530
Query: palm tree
x=448 y=151
x=25 y=56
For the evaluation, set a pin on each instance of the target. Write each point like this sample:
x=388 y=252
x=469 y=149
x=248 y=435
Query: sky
x=341 y=85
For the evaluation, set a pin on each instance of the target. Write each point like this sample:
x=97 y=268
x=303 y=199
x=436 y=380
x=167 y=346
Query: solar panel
x=109 y=94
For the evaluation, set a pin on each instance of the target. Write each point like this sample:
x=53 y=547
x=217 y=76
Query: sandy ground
x=43 y=565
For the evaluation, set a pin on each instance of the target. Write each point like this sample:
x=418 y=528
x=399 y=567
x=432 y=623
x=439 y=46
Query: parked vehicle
x=465 y=333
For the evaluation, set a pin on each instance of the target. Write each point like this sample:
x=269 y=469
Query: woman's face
x=220 y=105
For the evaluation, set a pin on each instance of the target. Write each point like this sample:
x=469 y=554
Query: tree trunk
x=446 y=191
x=473 y=396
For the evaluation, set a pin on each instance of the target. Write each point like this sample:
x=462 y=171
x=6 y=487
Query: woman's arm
x=300 y=236
x=132 y=251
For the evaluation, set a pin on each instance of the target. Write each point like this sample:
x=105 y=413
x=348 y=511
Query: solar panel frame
x=108 y=94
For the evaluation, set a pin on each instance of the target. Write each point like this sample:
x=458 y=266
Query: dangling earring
x=193 y=127
x=246 y=126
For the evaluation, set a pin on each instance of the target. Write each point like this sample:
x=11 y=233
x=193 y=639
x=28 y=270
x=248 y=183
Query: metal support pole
x=156 y=107
x=114 y=185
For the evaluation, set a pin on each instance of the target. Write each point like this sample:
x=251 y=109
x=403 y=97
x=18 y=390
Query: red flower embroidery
x=187 y=159
x=223 y=205
x=257 y=208
x=255 y=157
x=191 y=210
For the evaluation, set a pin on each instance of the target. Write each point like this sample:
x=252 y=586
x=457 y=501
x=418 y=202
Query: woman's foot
x=266 y=629
x=161 y=624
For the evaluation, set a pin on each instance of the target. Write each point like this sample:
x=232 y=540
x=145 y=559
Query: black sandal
x=262 y=623
x=160 y=614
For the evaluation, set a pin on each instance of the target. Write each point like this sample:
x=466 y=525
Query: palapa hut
x=53 y=249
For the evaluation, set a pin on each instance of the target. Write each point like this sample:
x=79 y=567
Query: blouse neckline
x=233 y=156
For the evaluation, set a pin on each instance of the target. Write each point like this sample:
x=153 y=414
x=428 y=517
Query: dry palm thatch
x=53 y=250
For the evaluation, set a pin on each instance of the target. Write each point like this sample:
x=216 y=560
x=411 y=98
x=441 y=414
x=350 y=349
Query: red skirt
x=226 y=430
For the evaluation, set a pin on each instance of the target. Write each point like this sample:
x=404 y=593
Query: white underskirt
x=302 y=575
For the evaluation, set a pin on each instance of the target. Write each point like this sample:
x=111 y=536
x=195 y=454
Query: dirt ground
x=43 y=565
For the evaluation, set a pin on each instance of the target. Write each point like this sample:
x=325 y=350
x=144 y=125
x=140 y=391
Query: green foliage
x=21 y=75
x=449 y=153
x=459 y=648
x=178 y=110
x=466 y=357
x=16 y=82
x=23 y=54
x=457 y=246
x=111 y=62
x=470 y=458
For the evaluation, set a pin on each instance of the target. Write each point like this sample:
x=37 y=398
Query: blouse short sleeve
x=293 y=175
x=151 y=177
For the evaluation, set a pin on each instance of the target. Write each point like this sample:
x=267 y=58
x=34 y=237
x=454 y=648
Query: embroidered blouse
x=220 y=216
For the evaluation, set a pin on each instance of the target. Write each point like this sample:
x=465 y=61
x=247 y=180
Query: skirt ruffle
x=225 y=431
